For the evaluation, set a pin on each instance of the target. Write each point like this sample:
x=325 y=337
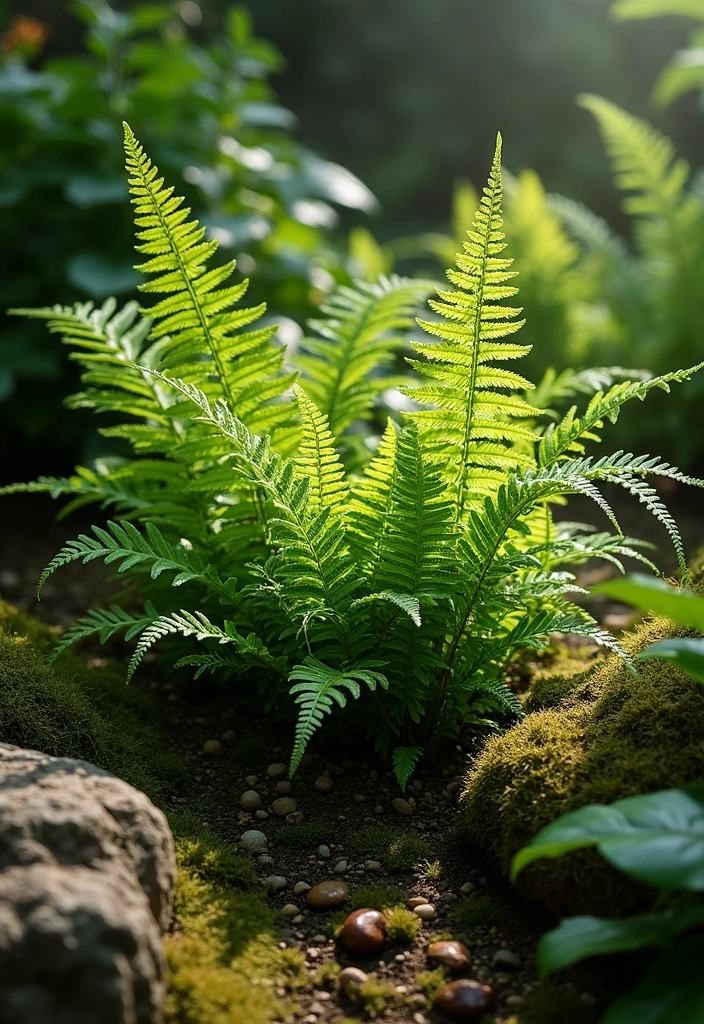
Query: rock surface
x=364 y=931
x=328 y=894
x=465 y=1000
x=87 y=874
x=451 y=954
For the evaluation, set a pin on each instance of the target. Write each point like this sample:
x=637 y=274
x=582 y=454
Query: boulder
x=87 y=875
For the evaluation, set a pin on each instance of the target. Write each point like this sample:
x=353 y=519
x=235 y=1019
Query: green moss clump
x=373 y=997
x=429 y=983
x=308 y=834
x=476 y=912
x=199 y=851
x=613 y=735
x=80 y=711
x=400 y=849
x=402 y=925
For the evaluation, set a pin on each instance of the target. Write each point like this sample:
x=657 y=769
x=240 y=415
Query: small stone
x=506 y=960
x=265 y=860
x=324 y=852
x=324 y=784
x=212 y=747
x=401 y=806
x=274 y=770
x=416 y=901
x=364 y=931
x=340 y=867
x=515 y=1002
x=426 y=912
x=351 y=978
x=301 y=887
x=453 y=955
x=328 y=894
x=316 y=1008
x=400 y=958
x=372 y=865
x=283 y=806
x=283 y=787
x=360 y=798
x=294 y=818
x=378 y=809
x=447 y=897
x=467 y=888
x=250 y=801
x=254 y=842
x=312 y=953
x=465 y=1000
x=261 y=815
x=419 y=1018
x=290 y=910
x=229 y=736
x=274 y=882
x=320 y=938
x=298 y=919
x=252 y=780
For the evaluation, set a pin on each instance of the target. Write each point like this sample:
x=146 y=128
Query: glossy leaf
x=655 y=595
x=686 y=654
x=672 y=991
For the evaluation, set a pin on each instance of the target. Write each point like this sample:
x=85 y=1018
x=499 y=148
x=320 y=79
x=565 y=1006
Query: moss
x=476 y=912
x=431 y=870
x=200 y=852
x=79 y=710
x=373 y=997
x=429 y=983
x=399 y=849
x=612 y=735
x=326 y=975
x=309 y=834
x=402 y=925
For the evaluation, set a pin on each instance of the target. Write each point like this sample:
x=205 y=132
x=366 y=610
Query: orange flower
x=25 y=34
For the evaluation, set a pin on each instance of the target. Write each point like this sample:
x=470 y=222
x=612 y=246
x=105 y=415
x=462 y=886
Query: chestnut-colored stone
x=364 y=931
x=465 y=1000
x=283 y=806
x=453 y=955
x=350 y=979
x=328 y=894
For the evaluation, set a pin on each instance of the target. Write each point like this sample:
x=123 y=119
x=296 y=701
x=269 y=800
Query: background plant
x=210 y=116
x=411 y=583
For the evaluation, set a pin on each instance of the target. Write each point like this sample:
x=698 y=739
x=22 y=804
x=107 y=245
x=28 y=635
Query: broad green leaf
x=686 y=654
x=627 y=9
x=655 y=595
x=577 y=938
x=672 y=991
x=657 y=839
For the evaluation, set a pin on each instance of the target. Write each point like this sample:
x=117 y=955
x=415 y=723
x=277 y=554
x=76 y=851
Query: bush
x=612 y=735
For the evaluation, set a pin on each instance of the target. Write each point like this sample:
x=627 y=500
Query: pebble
x=514 y=1002
x=254 y=841
x=453 y=955
x=467 y=888
x=316 y=1008
x=229 y=736
x=265 y=860
x=340 y=867
x=465 y=1000
x=295 y=818
x=416 y=901
x=324 y=784
x=506 y=960
x=426 y=912
x=283 y=787
x=301 y=887
x=312 y=953
x=274 y=770
x=320 y=938
x=364 y=931
x=290 y=910
x=274 y=882
x=372 y=865
x=261 y=815
x=328 y=894
x=283 y=806
x=250 y=801
x=419 y=1018
x=402 y=806
x=252 y=780
x=351 y=978
x=378 y=809
x=324 y=851
x=212 y=747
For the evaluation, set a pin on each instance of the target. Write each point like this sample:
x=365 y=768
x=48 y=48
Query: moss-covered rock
x=601 y=736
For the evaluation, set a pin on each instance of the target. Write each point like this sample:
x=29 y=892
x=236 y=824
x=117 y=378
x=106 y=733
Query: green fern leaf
x=106 y=622
x=404 y=761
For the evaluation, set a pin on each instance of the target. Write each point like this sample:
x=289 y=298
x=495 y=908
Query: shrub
x=405 y=588
x=615 y=735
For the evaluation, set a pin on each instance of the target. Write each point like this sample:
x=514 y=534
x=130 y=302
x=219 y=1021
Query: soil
x=362 y=795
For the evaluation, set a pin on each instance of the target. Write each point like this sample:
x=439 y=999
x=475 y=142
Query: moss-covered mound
x=600 y=736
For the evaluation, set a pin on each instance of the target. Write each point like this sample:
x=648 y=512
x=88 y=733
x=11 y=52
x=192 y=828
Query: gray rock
x=324 y=851
x=506 y=960
x=275 y=882
x=254 y=841
x=87 y=874
x=402 y=806
x=274 y=770
x=250 y=800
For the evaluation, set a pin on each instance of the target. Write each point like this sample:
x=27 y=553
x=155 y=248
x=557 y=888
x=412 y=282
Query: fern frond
x=474 y=418
x=317 y=459
x=408 y=604
x=123 y=543
x=106 y=622
x=345 y=365
x=198 y=313
x=317 y=686
x=404 y=761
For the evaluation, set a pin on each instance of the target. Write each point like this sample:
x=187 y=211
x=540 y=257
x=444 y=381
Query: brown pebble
x=250 y=800
x=283 y=806
x=364 y=931
x=402 y=806
x=465 y=1000
x=328 y=894
x=212 y=747
x=351 y=978
x=283 y=787
x=453 y=955
x=324 y=784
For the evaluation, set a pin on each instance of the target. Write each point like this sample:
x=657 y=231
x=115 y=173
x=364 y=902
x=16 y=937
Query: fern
x=397 y=589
